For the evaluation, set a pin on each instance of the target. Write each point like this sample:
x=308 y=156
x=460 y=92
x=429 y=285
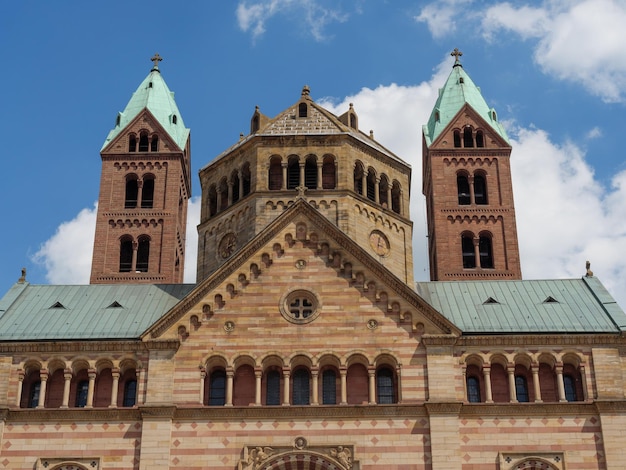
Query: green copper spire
x=153 y=95
x=458 y=91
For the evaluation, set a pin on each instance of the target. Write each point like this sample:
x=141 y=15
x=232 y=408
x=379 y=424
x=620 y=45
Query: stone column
x=202 y=382
x=284 y=183
x=364 y=183
x=240 y=175
x=315 y=372
x=139 y=192
x=471 y=189
x=258 y=374
x=302 y=175
x=115 y=373
x=91 y=373
x=141 y=377
x=230 y=192
x=583 y=378
x=377 y=190
x=536 y=385
x=559 y=381
x=43 y=377
x=487 y=380
x=319 y=175
x=230 y=374
x=512 y=395
x=371 y=372
x=476 y=241
x=20 y=386
x=67 y=376
x=389 y=202
x=343 y=374
x=286 y=374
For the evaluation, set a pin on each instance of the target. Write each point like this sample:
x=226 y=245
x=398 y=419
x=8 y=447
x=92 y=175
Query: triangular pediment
x=301 y=269
x=144 y=121
x=315 y=120
x=464 y=117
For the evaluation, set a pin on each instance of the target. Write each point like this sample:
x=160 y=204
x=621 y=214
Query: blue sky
x=554 y=70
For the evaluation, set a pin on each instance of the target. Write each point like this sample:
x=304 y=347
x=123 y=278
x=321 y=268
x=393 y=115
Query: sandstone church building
x=306 y=344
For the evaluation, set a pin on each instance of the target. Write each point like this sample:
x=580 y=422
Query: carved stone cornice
x=71 y=346
x=527 y=409
x=563 y=339
x=443 y=408
x=163 y=345
x=439 y=340
x=611 y=406
x=157 y=411
x=78 y=415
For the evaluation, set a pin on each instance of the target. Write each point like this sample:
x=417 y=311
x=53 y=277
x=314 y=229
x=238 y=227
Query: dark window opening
x=301 y=307
x=126 y=255
x=521 y=389
x=301 y=387
x=82 y=390
x=130 y=393
x=275 y=174
x=480 y=139
x=174 y=119
x=468 y=138
x=212 y=201
x=371 y=186
x=358 y=179
x=570 y=388
x=463 y=190
x=223 y=195
x=310 y=174
x=217 y=388
x=457 y=139
x=33 y=396
x=353 y=121
x=395 y=198
x=293 y=174
x=245 y=175
x=143 y=254
x=272 y=385
x=132 y=191
x=484 y=248
x=480 y=190
x=385 y=392
x=328 y=173
x=473 y=390
x=329 y=387
x=147 y=193
x=255 y=124
x=132 y=143
x=235 y=184
x=154 y=145
x=383 y=190
x=469 y=258
x=302 y=110
x=143 y=142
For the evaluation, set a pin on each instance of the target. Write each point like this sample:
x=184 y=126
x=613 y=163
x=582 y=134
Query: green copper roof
x=548 y=306
x=64 y=313
x=153 y=95
x=458 y=91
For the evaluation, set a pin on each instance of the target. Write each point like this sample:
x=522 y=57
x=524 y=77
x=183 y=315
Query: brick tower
x=467 y=183
x=144 y=188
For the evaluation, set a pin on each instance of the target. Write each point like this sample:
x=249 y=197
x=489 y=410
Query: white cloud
x=253 y=16
x=579 y=41
x=440 y=16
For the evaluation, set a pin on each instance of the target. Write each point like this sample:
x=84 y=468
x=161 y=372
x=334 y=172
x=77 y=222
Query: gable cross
x=456 y=53
x=156 y=59
x=301 y=189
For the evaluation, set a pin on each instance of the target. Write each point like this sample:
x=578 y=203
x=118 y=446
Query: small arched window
x=302 y=110
x=143 y=254
x=480 y=139
x=223 y=193
x=147 y=192
x=358 y=178
x=234 y=182
x=293 y=173
x=246 y=179
x=272 y=388
x=521 y=389
x=132 y=143
x=485 y=250
x=463 y=189
x=329 y=387
x=217 y=388
x=301 y=387
x=569 y=383
x=126 y=254
x=132 y=192
x=480 y=189
x=310 y=173
x=396 y=197
x=383 y=191
x=254 y=125
x=33 y=395
x=130 y=393
x=468 y=137
x=473 y=390
x=385 y=390
x=212 y=201
x=353 y=121
x=469 y=256
x=82 y=390
x=174 y=119
x=328 y=173
x=143 y=142
x=457 y=138
x=371 y=185
x=154 y=143
x=275 y=176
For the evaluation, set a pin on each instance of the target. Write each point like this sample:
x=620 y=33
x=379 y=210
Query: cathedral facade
x=305 y=343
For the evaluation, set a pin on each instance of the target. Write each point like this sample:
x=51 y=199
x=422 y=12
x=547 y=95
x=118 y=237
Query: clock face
x=228 y=243
x=379 y=243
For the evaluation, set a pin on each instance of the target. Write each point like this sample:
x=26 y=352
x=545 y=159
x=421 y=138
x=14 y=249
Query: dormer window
x=174 y=119
x=303 y=110
x=118 y=119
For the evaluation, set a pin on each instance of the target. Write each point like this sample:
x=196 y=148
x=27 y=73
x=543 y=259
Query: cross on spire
x=156 y=58
x=456 y=53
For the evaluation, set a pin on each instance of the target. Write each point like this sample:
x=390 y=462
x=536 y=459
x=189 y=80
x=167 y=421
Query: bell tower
x=144 y=189
x=472 y=232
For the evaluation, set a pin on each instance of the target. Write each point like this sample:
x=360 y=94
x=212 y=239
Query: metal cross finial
x=156 y=59
x=456 y=54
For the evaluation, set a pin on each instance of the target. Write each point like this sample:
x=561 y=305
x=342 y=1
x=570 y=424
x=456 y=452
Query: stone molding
x=72 y=346
x=71 y=414
x=511 y=339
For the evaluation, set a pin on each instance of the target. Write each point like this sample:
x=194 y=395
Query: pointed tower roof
x=458 y=91
x=153 y=95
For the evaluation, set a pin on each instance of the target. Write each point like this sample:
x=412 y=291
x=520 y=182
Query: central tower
x=144 y=188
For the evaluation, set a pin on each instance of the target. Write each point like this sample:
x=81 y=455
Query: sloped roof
x=44 y=312
x=532 y=306
x=319 y=121
x=458 y=91
x=153 y=95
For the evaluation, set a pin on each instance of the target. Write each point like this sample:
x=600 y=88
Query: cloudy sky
x=555 y=71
